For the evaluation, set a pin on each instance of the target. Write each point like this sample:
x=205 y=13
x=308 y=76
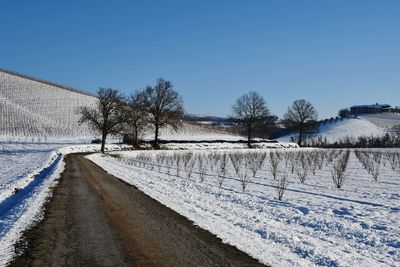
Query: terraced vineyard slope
x=33 y=108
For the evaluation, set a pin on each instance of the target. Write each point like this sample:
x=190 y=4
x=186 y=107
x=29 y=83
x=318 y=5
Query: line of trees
x=155 y=106
x=160 y=105
x=251 y=112
x=389 y=140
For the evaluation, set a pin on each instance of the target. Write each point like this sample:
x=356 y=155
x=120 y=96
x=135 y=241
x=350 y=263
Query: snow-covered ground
x=314 y=224
x=226 y=145
x=383 y=120
x=351 y=127
x=190 y=131
x=21 y=162
x=194 y=132
x=27 y=172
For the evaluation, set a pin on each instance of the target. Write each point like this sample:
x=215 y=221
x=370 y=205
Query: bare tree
x=136 y=117
x=302 y=167
x=160 y=158
x=236 y=159
x=164 y=105
x=222 y=170
x=177 y=160
x=281 y=184
x=202 y=167
x=339 y=167
x=274 y=160
x=371 y=162
x=244 y=176
x=250 y=111
x=106 y=118
x=188 y=163
x=298 y=115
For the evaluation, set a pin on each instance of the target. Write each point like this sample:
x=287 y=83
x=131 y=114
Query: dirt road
x=95 y=219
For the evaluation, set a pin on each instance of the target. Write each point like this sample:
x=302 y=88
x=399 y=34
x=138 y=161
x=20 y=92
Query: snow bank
x=92 y=148
x=20 y=210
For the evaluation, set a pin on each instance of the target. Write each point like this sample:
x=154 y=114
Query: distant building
x=376 y=108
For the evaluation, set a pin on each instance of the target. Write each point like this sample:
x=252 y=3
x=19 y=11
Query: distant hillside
x=192 y=131
x=210 y=120
x=31 y=107
x=383 y=120
x=352 y=127
x=35 y=108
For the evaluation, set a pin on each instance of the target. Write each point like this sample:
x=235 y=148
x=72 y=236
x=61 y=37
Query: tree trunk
x=156 y=138
x=249 y=136
x=103 y=141
x=300 y=134
x=135 y=138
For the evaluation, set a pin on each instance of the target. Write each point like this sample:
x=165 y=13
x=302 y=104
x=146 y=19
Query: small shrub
x=338 y=169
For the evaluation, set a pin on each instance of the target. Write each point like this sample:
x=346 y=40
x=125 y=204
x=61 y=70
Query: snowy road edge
x=33 y=213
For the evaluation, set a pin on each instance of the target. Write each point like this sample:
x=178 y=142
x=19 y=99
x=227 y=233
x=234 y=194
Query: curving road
x=95 y=219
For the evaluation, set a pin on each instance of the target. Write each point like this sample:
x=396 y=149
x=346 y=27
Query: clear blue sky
x=333 y=53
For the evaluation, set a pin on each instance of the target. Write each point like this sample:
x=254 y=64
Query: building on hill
x=375 y=108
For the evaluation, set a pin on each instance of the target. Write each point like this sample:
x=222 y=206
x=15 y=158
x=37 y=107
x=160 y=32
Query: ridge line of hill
x=25 y=76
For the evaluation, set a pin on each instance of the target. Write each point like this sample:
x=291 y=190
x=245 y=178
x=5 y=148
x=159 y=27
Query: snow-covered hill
x=34 y=109
x=209 y=120
x=31 y=107
x=353 y=127
x=383 y=120
x=190 y=131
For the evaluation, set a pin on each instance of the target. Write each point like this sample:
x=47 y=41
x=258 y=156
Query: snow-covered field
x=315 y=224
x=190 y=131
x=207 y=138
x=27 y=172
x=226 y=145
x=352 y=127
